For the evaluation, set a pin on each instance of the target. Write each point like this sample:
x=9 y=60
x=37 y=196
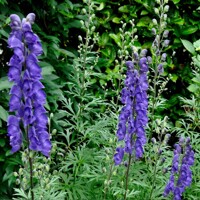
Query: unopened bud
x=15 y=174
x=166 y=33
x=156 y=10
x=166 y=8
x=154 y=21
x=84 y=11
x=166 y=43
x=143 y=53
x=153 y=31
x=153 y=140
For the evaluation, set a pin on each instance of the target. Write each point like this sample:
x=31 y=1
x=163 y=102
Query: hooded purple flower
x=181 y=169
x=133 y=116
x=27 y=95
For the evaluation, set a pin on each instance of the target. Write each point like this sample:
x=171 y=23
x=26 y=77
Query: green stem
x=31 y=176
x=109 y=176
x=127 y=175
x=30 y=159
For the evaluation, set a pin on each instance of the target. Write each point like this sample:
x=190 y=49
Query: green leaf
x=4 y=33
x=144 y=12
x=103 y=40
x=193 y=88
x=176 y=1
x=47 y=69
x=197 y=45
x=189 y=46
x=144 y=21
x=174 y=77
x=116 y=20
x=5 y=84
x=116 y=38
x=101 y=6
x=178 y=21
x=189 y=30
x=3 y=114
x=124 y=9
x=2 y=142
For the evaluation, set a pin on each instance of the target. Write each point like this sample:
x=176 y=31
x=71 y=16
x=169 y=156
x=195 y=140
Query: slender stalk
x=155 y=171
x=30 y=159
x=127 y=175
x=31 y=176
x=109 y=176
x=154 y=179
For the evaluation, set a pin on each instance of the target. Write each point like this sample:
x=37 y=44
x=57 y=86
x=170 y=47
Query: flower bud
x=154 y=21
x=166 y=43
x=160 y=69
x=104 y=170
x=143 y=53
x=163 y=57
x=165 y=18
x=153 y=140
x=153 y=31
x=166 y=33
x=84 y=11
x=166 y=8
x=15 y=174
x=54 y=131
x=156 y=10
x=149 y=59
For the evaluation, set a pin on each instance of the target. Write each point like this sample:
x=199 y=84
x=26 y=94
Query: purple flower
x=160 y=69
x=181 y=169
x=118 y=155
x=14 y=133
x=27 y=96
x=133 y=116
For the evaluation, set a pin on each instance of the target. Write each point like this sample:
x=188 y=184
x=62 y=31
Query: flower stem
x=109 y=177
x=31 y=176
x=127 y=175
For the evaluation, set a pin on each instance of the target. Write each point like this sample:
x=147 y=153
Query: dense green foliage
x=83 y=70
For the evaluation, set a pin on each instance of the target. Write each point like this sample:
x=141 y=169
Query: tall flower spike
x=181 y=169
x=133 y=116
x=27 y=95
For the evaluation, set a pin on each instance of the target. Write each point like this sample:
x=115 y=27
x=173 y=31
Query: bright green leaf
x=101 y=6
x=144 y=21
x=189 y=30
x=197 y=45
x=5 y=84
x=193 y=88
x=116 y=38
x=124 y=9
x=189 y=46
x=176 y=1
x=116 y=20
x=3 y=114
x=144 y=12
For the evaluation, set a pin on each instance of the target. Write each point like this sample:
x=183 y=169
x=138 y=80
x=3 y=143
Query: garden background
x=85 y=46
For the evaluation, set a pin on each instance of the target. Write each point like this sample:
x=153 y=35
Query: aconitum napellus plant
x=133 y=116
x=27 y=97
x=181 y=174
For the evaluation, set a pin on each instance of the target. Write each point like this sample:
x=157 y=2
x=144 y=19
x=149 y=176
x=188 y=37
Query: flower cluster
x=133 y=116
x=182 y=170
x=27 y=96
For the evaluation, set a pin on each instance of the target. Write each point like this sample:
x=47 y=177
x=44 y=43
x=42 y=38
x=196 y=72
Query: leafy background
x=74 y=109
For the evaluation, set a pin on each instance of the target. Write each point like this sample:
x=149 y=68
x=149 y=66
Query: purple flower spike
x=180 y=169
x=27 y=96
x=133 y=116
